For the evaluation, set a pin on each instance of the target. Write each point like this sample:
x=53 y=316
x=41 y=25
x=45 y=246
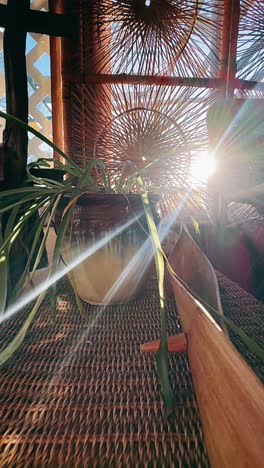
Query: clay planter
x=110 y=235
x=229 y=395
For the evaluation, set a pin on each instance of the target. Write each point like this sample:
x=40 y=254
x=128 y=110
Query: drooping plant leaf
x=21 y=124
x=3 y=273
x=162 y=355
x=38 y=229
x=52 y=210
x=22 y=220
x=12 y=347
x=58 y=248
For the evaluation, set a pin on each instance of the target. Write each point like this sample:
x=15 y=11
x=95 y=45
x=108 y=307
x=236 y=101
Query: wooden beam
x=161 y=80
x=230 y=396
x=40 y=22
x=56 y=83
x=227 y=73
x=228 y=51
x=15 y=139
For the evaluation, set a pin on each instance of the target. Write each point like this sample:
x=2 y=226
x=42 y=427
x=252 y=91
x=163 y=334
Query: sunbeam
x=24 y=301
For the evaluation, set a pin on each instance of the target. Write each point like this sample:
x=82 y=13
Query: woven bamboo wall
x=124 y=45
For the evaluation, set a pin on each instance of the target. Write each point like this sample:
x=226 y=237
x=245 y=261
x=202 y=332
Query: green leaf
x=10 y=223
x=3 y=274
x=162 y=355
x=43 y=243
x=105 y=176
x=10 y=349
x=21 y=124
x=86 y=181
x=38 y=228
x=21 y=222
x=61 y=232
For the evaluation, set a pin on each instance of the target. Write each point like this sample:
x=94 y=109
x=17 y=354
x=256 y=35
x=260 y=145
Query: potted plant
x=119 y=213
x=97 y=220
x=66 y=202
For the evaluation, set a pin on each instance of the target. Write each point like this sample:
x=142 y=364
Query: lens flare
x=203 y=166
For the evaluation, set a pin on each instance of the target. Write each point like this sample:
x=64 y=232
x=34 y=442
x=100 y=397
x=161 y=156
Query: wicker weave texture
x=246 y=312
x=79 y=393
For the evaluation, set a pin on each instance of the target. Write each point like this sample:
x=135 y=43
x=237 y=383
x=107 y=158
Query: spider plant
x=36 y=202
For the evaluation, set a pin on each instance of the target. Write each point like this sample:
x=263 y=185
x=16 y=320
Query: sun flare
x=203 y=166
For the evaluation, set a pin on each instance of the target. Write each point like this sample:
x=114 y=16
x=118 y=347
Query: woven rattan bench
x=79 y=393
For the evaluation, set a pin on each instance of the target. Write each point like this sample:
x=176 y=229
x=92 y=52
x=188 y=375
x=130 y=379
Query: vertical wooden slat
x=56 y=83
x=227 y=73
x=61 y=52
x=228 y=49
x=15 y=139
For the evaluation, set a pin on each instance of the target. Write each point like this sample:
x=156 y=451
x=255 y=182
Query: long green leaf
x=11 y=348
x=86 y=180
x=21 y=124
x=43 y=243
x=61 y=232
x=3 y=273
x=162 y=355
x=44 y=162
x=38 y=228
x=105 y=176
x=10 y=223
x=37 y=191
x=19 y=203
x=23 y=219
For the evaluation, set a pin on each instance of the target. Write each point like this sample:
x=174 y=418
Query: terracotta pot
x=110 y=237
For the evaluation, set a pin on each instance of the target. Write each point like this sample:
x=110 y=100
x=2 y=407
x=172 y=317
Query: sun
x=203 y=166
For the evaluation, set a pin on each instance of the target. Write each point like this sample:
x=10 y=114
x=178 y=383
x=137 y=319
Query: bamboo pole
x=56 y=84
x=227 y=71
x=227 y=74
x=229 y=394
x=61 y=50
x=215 y=83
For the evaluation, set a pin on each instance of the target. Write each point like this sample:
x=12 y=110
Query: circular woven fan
x=151 y=36
x=161 y=126
x=146 y=136
x=250 y=48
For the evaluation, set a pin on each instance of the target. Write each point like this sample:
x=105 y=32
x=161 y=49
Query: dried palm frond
x=152 y=36
x=250 y=51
